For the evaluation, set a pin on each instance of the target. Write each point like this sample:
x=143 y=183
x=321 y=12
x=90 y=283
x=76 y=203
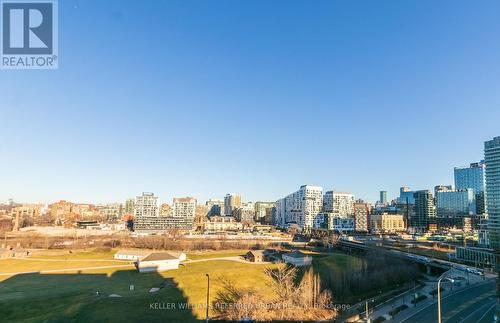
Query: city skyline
x=256 y=99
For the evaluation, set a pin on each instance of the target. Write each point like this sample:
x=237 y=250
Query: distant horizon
x=161 y=201
x=184 y=98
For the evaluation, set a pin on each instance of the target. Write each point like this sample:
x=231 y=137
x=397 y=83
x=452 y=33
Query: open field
x=72 y=294
x=195 y=255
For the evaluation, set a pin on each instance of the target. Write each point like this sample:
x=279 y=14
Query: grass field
x=71 y=295
x=213 y=254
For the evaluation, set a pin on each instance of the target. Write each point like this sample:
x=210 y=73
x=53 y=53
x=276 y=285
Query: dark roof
x=159 y=256
x=297 y=254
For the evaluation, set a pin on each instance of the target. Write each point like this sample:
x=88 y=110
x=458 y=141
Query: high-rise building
x=184 y=207
x=405 y=204
x=245 y=213
x=231 y=202
x=146 y=205
x=263 y=211
x=383 y=197
x=338 y=203
x=470 y=177
x=439 y=188
x=492 y=174
x=473 y=177
x=452 y=206
x=425 y=211
x=405 y=196
x=129 y=206
x=300 y=207
x=215 y=207
x=361 y=216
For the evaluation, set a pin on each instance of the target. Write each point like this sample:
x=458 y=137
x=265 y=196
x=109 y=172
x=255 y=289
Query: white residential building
x=146 y=205
x=184 y=207
x=331 y=221
x=339 y=203
x=300 y=207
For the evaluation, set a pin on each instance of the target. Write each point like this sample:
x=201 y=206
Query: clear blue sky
x=203 y=98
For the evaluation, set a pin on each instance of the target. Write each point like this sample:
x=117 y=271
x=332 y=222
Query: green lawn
x=212 y=254
x=80 y=255
x=72 y=295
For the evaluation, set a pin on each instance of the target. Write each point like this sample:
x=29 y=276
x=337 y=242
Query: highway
x=471 y=305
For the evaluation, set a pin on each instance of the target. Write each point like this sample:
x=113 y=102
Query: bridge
x=333 y=239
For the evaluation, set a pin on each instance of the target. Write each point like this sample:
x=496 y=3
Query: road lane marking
x=480 y=308
x=464 y=305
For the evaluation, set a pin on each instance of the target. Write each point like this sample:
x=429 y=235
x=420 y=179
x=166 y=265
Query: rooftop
x=297 y=254
x=159 y=256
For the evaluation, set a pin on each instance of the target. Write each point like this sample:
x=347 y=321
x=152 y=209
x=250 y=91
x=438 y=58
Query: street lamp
x=208 y=294
x=367 y=311
x=439 y=293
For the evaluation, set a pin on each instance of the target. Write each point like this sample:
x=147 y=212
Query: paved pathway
x=234 y=258
x=63 y=270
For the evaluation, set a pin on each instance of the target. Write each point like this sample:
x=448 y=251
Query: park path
x=236 y=259
x=63 y=270
x=233 y=258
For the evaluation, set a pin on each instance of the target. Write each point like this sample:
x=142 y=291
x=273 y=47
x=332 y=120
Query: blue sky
x=203 y=98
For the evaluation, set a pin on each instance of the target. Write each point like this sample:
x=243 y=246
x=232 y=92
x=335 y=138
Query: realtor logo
x=29 y=34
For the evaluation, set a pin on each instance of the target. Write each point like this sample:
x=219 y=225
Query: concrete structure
x=221 y=224
x=387 y=223
x=157 y=224
x=339 y=203
x=146 y=205
x=479 y=257
x=361 y=216
x=300 y=207
x=231 y=202
x=297 y=258
x=157 y=261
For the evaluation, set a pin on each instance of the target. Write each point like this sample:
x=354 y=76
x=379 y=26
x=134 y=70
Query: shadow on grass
x=93 y=298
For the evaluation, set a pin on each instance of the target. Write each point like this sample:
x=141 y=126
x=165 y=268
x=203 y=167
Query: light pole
x=367 y=311
x=439 y=294
x=367 y=316
x=208 y=294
